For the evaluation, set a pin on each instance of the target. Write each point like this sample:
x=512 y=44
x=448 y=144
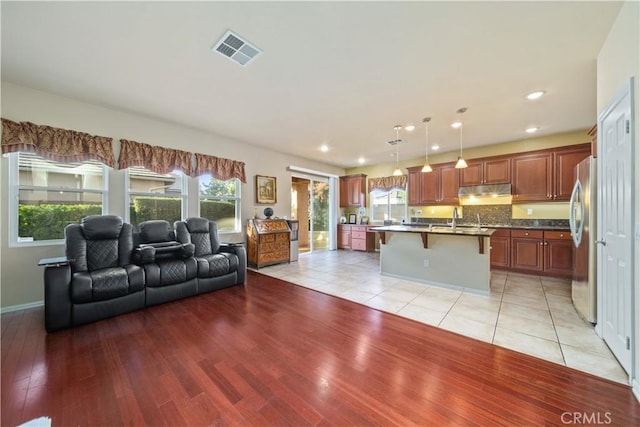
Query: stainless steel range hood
x=492 y=190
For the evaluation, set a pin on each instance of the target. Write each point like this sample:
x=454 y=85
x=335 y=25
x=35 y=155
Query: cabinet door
x=429 y=188
x=497 y=171
x=413 y=187
x=344 y=193
x=565 y=162
x=344 y=237
x=558 y=253
x=356 y=192
x=448 y=184
x=527 y=248
x=531 y=177
x=500 y=248
x=472 y=174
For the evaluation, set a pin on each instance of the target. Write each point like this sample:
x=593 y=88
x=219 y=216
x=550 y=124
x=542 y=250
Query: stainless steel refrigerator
x=582 y=220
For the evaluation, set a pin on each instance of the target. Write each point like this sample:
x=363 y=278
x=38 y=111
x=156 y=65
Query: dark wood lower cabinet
x=527 y=250
x=548 y=253
x=500 y=249
x=558 y=253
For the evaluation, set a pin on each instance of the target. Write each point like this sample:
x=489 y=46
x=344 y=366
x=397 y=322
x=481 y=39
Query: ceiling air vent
x=236 y=49
x=396 y=142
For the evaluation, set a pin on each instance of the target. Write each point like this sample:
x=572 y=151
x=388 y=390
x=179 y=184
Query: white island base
x=451 y=261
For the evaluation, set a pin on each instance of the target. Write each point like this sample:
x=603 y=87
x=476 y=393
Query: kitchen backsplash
x=494 y=215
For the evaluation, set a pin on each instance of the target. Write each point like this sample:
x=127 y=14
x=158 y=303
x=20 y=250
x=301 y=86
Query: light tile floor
x=526 y=313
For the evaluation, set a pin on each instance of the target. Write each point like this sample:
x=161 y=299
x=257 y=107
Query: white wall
x=618 y=60
x=20 y=279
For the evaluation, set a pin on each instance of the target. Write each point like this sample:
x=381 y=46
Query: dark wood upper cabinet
x=531 y=177
x=486 y=171
x=535 y=176
x=565 y=162
x=439 y=187
x=449 y=183
x=353 y=191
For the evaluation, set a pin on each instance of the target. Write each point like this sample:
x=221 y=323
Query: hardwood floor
x=273 y=353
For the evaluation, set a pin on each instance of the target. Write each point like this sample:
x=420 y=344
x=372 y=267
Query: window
x=391 y=205
x=220 y=202
x=47 y=195
x=155 y=196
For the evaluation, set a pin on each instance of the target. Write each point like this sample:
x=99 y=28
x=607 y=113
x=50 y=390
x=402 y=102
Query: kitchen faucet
x=455 y=217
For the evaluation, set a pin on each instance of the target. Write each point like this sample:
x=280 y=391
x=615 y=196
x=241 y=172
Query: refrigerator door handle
x=576 y=229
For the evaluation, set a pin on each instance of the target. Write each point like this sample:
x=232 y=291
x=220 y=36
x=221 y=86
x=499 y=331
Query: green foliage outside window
x=47 y=221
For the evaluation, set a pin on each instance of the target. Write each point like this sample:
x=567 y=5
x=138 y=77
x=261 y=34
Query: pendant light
x=397 y=172
x=460 y=164
x=427 y=167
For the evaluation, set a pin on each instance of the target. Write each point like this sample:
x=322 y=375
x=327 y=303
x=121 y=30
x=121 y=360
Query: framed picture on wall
x=266 y=190
x=352 y=218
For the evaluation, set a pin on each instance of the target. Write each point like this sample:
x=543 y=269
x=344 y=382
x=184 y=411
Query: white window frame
x=238 y=198
x=379 y=192
x=14 y=201
x=184 y=194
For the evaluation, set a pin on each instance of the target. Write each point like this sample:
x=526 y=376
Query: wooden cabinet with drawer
x=542 y=252
x=500 y=248
x=356 y=237
x=527 y=250
x=558 y=253
x=268 y=242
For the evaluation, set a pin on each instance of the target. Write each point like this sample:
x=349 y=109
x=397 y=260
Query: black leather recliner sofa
x=110 y=270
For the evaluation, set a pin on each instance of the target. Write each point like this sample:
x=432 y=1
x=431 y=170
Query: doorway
x=310 y=206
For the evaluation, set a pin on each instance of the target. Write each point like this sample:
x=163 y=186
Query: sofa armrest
x=239 y=250
x=144 y=254
x=57 y=297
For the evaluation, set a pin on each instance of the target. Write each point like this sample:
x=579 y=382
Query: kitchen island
x=440 y=255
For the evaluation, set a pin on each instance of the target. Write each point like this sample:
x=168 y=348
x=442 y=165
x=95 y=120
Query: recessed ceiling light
x=409 y=128
x=456 y=125
x=324 y=148
x=535 y=95
x=361 y=160
x=531 y=130
x=435 y=147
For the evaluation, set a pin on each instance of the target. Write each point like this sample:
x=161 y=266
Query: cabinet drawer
x=358 y=234
x=344 y=228
x=502 y=232
x=557 y=235
x=531 y=234
x=358 y=244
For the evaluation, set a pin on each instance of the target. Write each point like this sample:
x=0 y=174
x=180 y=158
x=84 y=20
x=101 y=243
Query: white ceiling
x=335 y=73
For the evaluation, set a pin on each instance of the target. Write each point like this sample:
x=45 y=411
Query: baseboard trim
x=21 y=307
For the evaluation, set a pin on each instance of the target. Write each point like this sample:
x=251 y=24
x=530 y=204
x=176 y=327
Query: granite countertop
x=437 y=229
x=525 y=226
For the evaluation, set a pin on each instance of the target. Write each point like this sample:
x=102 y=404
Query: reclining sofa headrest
x=101 y=227
x=197 y=225
x=156 y=231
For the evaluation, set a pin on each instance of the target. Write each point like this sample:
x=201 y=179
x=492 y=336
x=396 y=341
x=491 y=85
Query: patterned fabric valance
x=388 y=183
x=154 y=158
x=219 y=168
x=57 y=144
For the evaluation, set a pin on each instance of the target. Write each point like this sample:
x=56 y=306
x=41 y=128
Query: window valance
x=154 y=158
x=388 y=183
x=219 y=168
x=57 y=144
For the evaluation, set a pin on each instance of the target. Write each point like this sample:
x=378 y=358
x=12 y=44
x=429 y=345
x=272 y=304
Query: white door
x=615 y=226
